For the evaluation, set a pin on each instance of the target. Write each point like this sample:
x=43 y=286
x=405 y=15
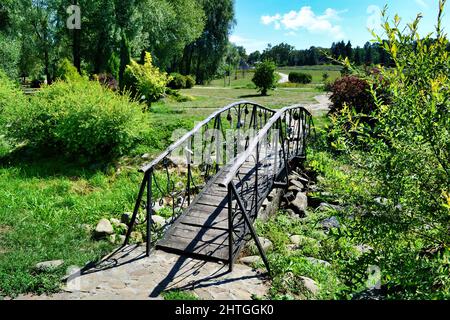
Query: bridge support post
x=230 y=229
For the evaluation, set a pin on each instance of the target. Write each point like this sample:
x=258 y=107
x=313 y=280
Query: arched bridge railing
x=173 y=180
x=268 y=156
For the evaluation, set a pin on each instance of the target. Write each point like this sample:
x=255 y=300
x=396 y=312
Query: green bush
x=79 y=118
x=66 y=71
x=178 y=81
x=190 y=82
x=300 y=77
x=145 y=81
x=265 y=78
x=10 y=95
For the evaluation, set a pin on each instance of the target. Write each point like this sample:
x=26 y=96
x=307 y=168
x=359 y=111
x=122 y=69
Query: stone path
x=129 y=275
x=284 y=78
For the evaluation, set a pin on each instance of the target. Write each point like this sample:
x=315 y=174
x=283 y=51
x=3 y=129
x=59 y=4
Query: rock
x=290 y=196
x=159 y=221
x=177 y=161
x=310 y=285
x=296 y=239
x=330 y=223
x=121 y=239
x=112 y=239
x=136 y=237
x=48 y=266
x=266 y=245
x=126 y=217
x=104 y=228
x=146 y=156
x=249 y=261
x=326 y=207
x=266 y=203
x=294 y=189
x=318 y=262
x=362 y=248
x=297 y=184
x=300 y=204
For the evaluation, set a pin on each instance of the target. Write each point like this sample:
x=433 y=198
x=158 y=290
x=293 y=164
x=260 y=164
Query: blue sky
x=303 y=23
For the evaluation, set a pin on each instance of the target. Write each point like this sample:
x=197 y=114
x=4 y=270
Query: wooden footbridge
x=212 y=182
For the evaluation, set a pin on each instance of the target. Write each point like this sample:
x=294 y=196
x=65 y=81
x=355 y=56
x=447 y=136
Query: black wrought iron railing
x=172 y=181
x=265 y=164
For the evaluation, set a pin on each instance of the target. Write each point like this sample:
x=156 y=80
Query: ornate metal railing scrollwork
x=254 y=174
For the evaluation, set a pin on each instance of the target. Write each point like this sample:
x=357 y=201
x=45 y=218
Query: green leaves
x=264 y=77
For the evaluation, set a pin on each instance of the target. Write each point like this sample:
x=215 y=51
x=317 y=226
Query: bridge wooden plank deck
x=202 y=230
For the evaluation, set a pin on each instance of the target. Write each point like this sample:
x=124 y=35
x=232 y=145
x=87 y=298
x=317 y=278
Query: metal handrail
x=254 y=144
x=196 y=129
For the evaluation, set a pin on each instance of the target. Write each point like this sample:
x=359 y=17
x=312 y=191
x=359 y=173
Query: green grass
x=179 y=295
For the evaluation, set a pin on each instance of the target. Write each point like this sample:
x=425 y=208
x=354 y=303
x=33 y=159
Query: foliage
x=178 y=81
x=179 y=295
x=66 y=71
x=408 y=163
x=108 y=81
x=145 y=80
x=10 y=96
x=9 y=56
x=264 y=77
x=299 y=77
x=79 y=118
x=353 y=92
x=190 y=82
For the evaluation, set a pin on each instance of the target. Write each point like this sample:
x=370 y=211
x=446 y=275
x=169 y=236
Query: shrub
x=265 y=77
x=354 y=92
x=10 y=95
x=178 y=81
x=114 y=65
x=66 y=71
x=190 y=82
x=78 y=118
x=299 y=77
x=108 y=81
x=145 y=81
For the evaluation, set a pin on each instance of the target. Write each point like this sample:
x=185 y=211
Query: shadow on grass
x=253 y=96
x=32 y=163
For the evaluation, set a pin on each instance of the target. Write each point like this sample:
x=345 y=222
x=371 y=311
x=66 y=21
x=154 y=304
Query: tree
x=204 y=56
x=254 y=57
x=125 y=59
x=264 y=77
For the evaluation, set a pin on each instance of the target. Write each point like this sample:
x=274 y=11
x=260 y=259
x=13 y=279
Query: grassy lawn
x=316 y=72
x=46 y=203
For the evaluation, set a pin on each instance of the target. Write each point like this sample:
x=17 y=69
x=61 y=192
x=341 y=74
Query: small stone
x=327 y=207
x=310 y=285
x=249 y=261
x=290 y=196
x=297 y=184
x=112 y=239
x=104 y=228
x=48 y=266
x=318 y=262
x=296 y=239
x=126 y=217
x=330 y=223
x=146 y=156
x=121 y=239
x=266 y=244
x=300 y=204
x=159 y=221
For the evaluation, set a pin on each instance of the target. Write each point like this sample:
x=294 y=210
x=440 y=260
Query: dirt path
x=284 y=77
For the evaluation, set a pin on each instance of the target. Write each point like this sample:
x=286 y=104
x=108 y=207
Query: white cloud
x=306 y=19
x=250 y=45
